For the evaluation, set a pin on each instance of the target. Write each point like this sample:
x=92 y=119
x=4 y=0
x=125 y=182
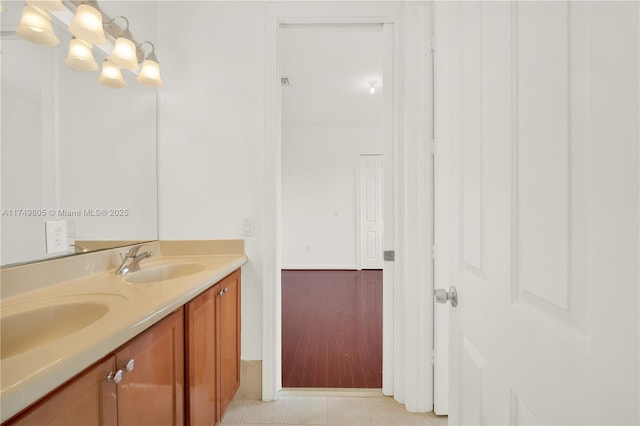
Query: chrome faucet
x=131 y=260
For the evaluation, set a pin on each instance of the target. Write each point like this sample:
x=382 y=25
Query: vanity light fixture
x=150 y=72
x=111 y=75
x=80 y=56
x=372 y=86
x=47 y=4
x=35 y=26
x=90 y=27
x=87 y=25
x=124 y=53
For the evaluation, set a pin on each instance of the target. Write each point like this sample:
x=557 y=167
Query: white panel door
x=371 y=203
x=544 y=198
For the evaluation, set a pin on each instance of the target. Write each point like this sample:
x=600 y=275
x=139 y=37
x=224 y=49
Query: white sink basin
x=163 y=272
x=32 y=327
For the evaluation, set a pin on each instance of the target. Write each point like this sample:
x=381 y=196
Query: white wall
x=320 y=221
x=210 y=135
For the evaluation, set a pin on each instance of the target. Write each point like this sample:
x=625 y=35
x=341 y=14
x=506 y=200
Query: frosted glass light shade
x=124 y=54
x=35 y=26
x=47 y=4
x=150 y=74
x=111 y=75
x=87 y=25
x=80 y=56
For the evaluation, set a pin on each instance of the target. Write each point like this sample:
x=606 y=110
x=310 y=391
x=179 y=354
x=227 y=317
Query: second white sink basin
x=163 y=272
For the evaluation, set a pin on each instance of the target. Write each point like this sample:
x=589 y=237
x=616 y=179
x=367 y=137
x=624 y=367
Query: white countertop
x=132 y=308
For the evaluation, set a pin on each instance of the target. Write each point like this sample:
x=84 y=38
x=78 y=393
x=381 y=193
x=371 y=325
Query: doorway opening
x=336 y=172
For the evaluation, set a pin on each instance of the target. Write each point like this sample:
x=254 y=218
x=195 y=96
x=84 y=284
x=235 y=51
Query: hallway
x=332 y=329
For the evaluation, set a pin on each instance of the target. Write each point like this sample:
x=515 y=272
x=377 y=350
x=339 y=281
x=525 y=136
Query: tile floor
x=325 y=408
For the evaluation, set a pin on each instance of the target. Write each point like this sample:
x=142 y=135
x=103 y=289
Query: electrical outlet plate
x=56 y=236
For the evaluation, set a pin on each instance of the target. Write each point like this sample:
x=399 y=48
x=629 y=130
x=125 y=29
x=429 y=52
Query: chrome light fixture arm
x=151 y=55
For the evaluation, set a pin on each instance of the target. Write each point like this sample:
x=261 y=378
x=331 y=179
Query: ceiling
x=330 y=67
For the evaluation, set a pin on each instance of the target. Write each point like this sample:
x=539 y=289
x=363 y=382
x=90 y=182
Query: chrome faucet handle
x=130 y=253
x=130 y=260
x=133 y=251
x=134 y=265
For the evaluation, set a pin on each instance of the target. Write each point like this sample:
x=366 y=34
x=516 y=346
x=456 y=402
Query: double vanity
x=158 y=344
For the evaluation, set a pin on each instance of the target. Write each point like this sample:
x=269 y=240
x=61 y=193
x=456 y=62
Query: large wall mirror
x=71 y=150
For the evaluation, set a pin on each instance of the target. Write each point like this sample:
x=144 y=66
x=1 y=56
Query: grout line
x=327 y=405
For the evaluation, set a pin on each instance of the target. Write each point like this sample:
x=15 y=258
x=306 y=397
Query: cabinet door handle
x=115 y=376
x=223 y=292
x=130 y=365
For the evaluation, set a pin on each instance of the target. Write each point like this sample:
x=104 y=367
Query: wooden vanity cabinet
x=213 y=351
x=203 y=407
x=87 y=400
x=229 y=338
x=150 y=394
x=191 y=356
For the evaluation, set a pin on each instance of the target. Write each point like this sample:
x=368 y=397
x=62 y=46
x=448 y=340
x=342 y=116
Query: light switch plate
x=56 y=235
x=247 y=227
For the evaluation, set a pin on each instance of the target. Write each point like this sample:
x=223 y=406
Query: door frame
x=408 y=281
x=272 y=309
x=442 y=207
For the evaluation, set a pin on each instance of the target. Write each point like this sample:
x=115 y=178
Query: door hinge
x=433 y=357
x=434 y=146
x=433 y=252
x=432 y=44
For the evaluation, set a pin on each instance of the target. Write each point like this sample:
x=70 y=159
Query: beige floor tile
x=306 y=411
x=348 y=411
x=234 y=412
x=431 y=419
x=387 y=412
x=265 y=412
x=260 y=424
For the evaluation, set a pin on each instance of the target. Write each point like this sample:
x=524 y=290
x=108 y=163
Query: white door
x=544 y=199
x=371 y=203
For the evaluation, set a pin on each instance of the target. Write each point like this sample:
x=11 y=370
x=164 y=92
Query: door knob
x=442 y=296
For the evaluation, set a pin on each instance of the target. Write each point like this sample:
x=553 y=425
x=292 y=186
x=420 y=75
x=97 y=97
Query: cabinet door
x=87 y=400
x=152 y=393
x=202 y=378
x=229 y=338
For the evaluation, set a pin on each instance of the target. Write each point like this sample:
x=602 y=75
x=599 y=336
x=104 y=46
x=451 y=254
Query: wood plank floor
x=332 y=329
